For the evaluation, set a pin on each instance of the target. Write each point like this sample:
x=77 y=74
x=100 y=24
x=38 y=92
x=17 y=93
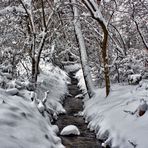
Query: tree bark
x=82 y=49
x=92 y=6
x=105 y=59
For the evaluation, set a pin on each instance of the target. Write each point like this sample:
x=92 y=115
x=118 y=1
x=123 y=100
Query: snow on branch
x=30 y=15
x=141 y=35
x=11 y=9
x=95 y=10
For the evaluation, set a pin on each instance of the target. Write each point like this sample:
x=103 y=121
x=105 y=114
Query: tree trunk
x=92 y=6
x=82 y=49
x=105 y=58
x=41 y=45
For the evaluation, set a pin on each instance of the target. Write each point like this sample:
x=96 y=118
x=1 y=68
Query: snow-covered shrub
x=50 y=91
x=132 y=63
x=134 y=79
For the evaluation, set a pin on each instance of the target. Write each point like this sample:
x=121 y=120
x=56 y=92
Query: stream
x=73 y=105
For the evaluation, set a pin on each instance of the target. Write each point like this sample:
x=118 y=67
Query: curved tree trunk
x=92 y=6
x=105 y=58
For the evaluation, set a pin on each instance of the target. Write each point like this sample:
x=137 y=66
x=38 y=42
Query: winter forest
x=73 y=74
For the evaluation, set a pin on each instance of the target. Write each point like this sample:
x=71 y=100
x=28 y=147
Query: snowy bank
x=54 y=80
x=116 y=118
x=21 y=123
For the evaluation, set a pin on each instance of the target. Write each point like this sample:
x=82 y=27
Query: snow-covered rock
x=55 y=128
x=142 y=108
x=32 y=95
x=12 y=91
x=104 y=145
x=7 y=75
x=134 y=78
x=143 y=105
x=41 y=107
x=70 y=130
x=23 y=126
x=79 y=96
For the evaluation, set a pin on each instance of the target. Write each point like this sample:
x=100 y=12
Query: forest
x=73 y=73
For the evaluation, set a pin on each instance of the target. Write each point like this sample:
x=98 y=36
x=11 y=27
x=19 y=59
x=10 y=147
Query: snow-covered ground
x=21 y=123
x=116 y=118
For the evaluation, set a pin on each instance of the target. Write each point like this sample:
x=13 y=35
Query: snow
x=143 y=105
x=70 y=130
x=107 y=1
x=79 y=96
x=72 y=67
x=104 y=144
x=116 y=118
x=21 y=123
x=81 y=83
x=23 y=126
x=41 y=107
x=53 y=80
x=134 y=78
x=55 y=128
x=12 y=91
x=56 y=1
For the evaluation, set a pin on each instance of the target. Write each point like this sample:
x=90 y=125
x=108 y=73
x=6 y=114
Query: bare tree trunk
x=39 y=56
x=33 y=61
x=83 y=53
x=105 y=58
x=92 y=6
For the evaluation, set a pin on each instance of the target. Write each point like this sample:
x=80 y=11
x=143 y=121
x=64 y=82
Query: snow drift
x=21 y=123
x=117 y=118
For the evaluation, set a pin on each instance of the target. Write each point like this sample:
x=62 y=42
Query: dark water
x=73 y=105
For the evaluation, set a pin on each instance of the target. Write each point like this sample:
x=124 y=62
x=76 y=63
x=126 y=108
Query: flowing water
x=74 y=105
